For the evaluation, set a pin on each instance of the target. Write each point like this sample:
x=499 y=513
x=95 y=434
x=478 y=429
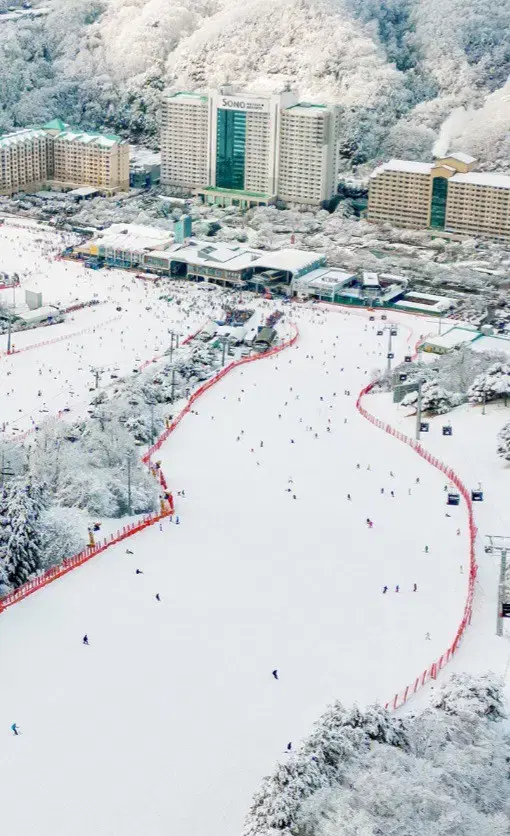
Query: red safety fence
x=186 y=340
x=432 y=671
x=70 y=563
x=211 y=382
x=61 y=338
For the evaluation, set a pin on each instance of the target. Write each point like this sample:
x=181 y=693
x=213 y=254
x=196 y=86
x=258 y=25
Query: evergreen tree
x=24 y=505
x=503 y=448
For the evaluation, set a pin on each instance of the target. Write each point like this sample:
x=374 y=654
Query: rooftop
x=458 y=155
x=410 y=166
x=134 y=237
x=88 y=138
x=483 y=178
x=7 y=140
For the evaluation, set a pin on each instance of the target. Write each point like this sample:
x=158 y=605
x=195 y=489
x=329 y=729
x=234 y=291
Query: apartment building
x=445 y=195
x=184 y=124
x=24 y=161
x=249 y=149
x=59 y=157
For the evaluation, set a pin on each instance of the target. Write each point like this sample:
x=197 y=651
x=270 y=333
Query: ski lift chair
x=453 y=499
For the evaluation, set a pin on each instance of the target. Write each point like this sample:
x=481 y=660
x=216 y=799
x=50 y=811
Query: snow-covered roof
x=370 y=279
x=484 y=343
x=17 y=137
x=483 y=178
x=458 y=155
x=453 y=338
x=410 y=166
x=86 y=138
x=133 y=237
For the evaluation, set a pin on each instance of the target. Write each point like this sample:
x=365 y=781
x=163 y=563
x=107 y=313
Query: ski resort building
x=56 y=156
x=444 y=195
x=247 y=150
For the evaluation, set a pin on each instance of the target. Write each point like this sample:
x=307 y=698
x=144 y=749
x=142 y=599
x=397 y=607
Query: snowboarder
x=15 y=729
x=157 y=596
x=129 y=552
x=85 y=639
x=385 y=589
x=138 y=572
x=275 y=673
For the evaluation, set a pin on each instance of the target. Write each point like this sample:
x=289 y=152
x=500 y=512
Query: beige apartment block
x=184 y=127
x=56 y=156
x=446 y=195
x=24 y=161
x=308 y=153
x=98 y=160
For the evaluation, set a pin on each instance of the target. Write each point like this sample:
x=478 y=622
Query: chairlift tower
x=500 y=544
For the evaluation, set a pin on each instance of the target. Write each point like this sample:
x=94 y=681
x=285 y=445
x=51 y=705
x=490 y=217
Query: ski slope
x=171 y=717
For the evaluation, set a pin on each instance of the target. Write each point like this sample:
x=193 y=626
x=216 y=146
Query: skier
x=417 y=480
x=427 y=636
x=397 y=588
x=129 y=552
x=426 y=549
x=138 y=572
x=382 y=490
x=369 y=522
x=157 y=596
x=414 y=587
x=15 y=729
x=177 y=521
x=85 y=639
x=385 y=589
x=349 y=497
x=289 y=747
x=458 y=532
x=275 y=673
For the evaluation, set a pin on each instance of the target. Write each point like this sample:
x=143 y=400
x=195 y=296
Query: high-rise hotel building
x=63 y=158
x=249 y=149
x=445 y=195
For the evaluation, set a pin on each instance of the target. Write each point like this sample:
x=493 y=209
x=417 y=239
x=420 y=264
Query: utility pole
x=172 y=391
x=225 y=341
x=418 y=410
x=501 y=545
x=11 y=318
x=129 y=463
x=97 y=374
x=3 y=471
x=152 y=423
x=171 y=345
x=389 y=349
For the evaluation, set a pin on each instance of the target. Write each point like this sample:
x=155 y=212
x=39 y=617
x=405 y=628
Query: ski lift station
x=289 y=271
x=157 y=250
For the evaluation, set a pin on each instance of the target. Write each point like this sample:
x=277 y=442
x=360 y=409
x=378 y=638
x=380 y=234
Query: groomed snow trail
x=168 y=721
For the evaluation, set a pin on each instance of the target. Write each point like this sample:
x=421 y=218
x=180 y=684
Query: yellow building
x=59 y=157
x=446 y=194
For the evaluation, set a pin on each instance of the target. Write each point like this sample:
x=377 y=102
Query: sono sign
x=247 y=104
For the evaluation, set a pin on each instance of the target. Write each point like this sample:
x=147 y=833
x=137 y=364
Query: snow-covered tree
x=491 y=384
x=63 y=534
x=435 y=399
x=503 y=448
x=23 y=550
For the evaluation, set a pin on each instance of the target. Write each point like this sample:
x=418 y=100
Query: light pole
x=502 y=545
x=129 y=463
x=172 y=391
x=418 y=410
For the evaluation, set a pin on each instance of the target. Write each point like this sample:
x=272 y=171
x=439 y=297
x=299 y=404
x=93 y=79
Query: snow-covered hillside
x=398 y=67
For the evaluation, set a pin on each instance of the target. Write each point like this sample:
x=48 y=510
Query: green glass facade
x=230 y=149
x=438 y=206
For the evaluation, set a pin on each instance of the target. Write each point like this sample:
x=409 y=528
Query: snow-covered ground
x=171 y=717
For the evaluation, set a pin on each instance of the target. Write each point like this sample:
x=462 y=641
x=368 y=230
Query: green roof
x=190 y=95
x=55 y=125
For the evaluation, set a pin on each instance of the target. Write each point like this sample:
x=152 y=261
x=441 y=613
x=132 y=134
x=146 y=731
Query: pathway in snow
x=168 y=721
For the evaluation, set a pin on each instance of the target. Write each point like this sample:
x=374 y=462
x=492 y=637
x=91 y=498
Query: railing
x=432 y=671
x=70 y=563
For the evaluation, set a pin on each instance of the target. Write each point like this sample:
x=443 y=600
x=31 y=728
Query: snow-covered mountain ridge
x=399 y=68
